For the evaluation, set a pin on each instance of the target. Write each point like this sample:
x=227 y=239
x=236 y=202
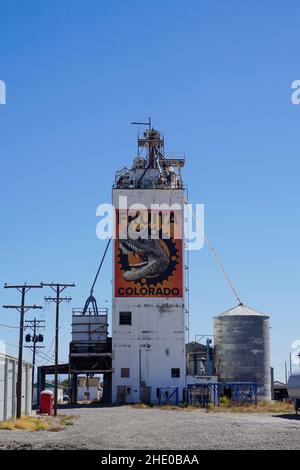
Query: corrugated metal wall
x=8 y=379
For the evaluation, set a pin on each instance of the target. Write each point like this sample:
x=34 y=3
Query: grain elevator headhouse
x=148 y=345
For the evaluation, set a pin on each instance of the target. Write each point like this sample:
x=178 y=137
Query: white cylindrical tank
x=294 y=386
x=242 y=348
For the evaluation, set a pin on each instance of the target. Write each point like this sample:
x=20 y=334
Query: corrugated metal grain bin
x=8 y=380
x=242 y=348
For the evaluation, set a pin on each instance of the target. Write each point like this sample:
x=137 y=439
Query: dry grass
x=144 y=406
x=66 y=420
x=7 y=425
x=39 y=423
x=226 y=406
x=263 y=407
x=56 y=428
x=169 y=407
x=59 y=422
x=27 y=423
x=141 y=406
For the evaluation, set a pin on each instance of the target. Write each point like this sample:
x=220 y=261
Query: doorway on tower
x=124 y=394
x=145 y=393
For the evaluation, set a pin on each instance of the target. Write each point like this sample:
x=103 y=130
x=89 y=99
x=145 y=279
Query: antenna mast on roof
x=148 y=123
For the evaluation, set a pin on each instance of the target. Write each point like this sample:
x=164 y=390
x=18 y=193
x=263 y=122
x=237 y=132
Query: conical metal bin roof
x=242 y=310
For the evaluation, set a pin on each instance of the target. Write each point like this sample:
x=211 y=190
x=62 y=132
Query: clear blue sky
x=216 y=78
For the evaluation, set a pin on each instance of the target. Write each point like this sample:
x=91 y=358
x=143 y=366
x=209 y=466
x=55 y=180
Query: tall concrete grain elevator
x=148 y=311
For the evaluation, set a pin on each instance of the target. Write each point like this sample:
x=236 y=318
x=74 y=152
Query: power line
x=45 y=357
x=17 y=254
x=9 y=326
x=49 y=358
x=12 y=345
x=12 y=267
x=44 y=309
x=51 y=345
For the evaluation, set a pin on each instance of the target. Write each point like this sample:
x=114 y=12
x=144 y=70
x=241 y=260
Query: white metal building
x=50 y=387
x=88 y=388
x=148 y=311
x=8 y=380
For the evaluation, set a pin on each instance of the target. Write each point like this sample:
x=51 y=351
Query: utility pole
x=34 y=325
x=58 y=288
x=22 y=309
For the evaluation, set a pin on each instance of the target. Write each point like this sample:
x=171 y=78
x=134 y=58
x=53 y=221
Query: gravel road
x=131 y=428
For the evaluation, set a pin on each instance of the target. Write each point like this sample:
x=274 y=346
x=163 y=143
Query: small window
x=125 y=318
x=124 y=372
x=175 y=373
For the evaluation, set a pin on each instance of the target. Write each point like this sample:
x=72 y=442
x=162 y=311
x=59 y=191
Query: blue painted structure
x=168 y=395
x=209 y=362
x=212 y=387
x=241 y=392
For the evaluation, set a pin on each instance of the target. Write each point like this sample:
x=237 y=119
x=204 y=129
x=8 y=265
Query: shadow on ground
x=83 y=405
x=68 y=406
x=293 y=416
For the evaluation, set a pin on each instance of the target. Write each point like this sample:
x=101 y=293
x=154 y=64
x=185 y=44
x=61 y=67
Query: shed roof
x=13 y=358
x=279 y=385
x=50 y=385
x=194 y=346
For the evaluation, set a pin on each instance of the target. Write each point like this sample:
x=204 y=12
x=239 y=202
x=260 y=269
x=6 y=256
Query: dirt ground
x=131 y=428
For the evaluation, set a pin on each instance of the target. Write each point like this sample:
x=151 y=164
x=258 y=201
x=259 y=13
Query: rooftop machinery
x=148 y=311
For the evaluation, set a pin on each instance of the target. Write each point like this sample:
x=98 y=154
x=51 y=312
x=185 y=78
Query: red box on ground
x=46 y=402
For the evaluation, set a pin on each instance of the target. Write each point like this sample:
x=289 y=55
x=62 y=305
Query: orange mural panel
x=147 y=267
